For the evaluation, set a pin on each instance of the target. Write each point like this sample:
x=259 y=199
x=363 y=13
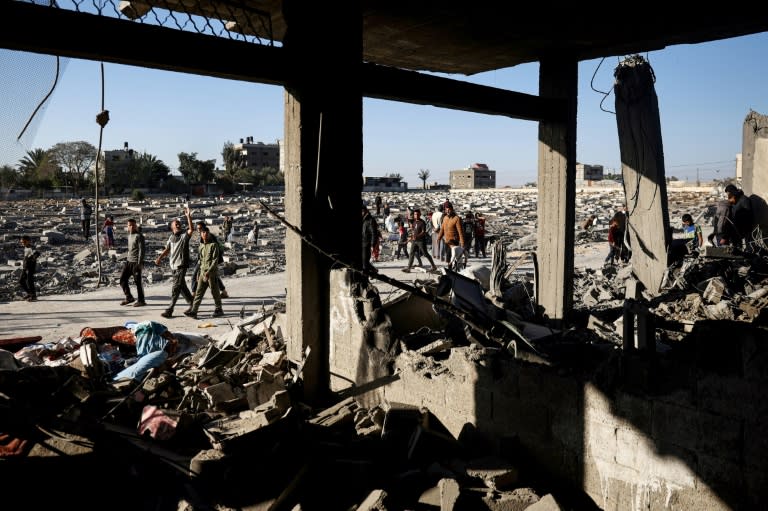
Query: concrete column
x=557 y=190
x=754 y=165
x=323 y=170
x=642 y=166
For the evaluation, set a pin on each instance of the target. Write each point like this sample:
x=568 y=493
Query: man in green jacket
x=209 y=272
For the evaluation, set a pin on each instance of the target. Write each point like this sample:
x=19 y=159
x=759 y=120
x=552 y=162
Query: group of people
x=443 y=235
x=206 y=273
x=732 y=223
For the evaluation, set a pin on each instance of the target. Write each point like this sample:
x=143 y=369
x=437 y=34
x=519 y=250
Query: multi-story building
x=384 y=184
x=258 y=155
x=476 y=175
x=586 y=173
x=117 y=168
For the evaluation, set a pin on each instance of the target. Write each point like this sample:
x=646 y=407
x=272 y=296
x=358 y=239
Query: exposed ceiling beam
x=91 y=37
x=85 y=36
x=412 y=87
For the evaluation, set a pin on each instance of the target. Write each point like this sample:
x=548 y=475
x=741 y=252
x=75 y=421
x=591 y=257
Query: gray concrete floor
x=55 y=317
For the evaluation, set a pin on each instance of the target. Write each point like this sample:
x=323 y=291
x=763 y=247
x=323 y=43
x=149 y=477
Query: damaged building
x=465 y=391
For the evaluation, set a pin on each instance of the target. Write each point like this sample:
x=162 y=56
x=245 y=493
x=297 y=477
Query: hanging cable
x=102 y=118
x=605 y=94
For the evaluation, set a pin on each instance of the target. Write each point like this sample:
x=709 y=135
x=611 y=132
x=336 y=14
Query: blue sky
x=705 y=91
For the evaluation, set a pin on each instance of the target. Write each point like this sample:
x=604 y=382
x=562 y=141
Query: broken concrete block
x=547 y=503
x=715 y=289
x=261 y=392
x=496 y=473
x=375 y=501
x=219 y=393
x=721 y=310
x=53 y=237
x=82 y=255
x=449 y=494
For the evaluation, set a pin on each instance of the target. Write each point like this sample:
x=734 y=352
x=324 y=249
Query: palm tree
x=423 y=175
x=37 y=167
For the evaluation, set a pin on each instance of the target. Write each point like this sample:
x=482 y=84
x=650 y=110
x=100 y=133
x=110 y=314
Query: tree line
x=70 y=166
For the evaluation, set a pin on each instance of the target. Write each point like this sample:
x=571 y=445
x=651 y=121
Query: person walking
x=402 y=239
x=469 y=233
x=196 y=274
x=28 y=269
x=436 y=220
x=86 y=210
x=451 y=232
x=614 y=242
x=479 y=235
x=226 y=227
x=208 y=260
x=178 y=248
x=371 y=237
x=133 y=265
x=419 y=241
x=253 y=236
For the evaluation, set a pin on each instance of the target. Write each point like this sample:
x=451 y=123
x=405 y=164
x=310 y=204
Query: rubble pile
x=70 y=264
x=223 y=424
x=220 y=424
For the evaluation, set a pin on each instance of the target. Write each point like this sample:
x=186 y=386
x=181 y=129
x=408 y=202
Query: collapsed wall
x=680 y=429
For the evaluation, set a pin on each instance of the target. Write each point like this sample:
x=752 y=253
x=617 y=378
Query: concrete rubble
x=221 y=423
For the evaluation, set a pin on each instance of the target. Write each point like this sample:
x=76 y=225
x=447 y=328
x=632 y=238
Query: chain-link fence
x=234 y=19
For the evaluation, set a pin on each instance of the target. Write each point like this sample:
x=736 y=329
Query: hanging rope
x=102 y=118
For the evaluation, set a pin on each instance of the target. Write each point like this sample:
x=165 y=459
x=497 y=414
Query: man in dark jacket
x=740 y=220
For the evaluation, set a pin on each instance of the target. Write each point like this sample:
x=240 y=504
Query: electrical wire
x=605 y=94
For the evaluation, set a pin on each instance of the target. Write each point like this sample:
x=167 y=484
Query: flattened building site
x=541 y=373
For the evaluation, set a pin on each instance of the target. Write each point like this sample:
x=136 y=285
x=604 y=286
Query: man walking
x=28 y=269
x=85 y=217
x=209 y=273
x=133 y=265
x=371 y=237
x=419 y=241
x=451 y=231
x=226 y=227
x=178 y=248
x=196 y=274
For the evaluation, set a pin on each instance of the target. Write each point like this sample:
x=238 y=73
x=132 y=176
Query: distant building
x=258 y=155
x=437 y=186
x=117 y=169
x=476 y=175
x=586 y=173
x=384 y=184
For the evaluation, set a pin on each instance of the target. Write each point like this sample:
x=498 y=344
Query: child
x=402 y=242
x=692 y=233
x=109 y=231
